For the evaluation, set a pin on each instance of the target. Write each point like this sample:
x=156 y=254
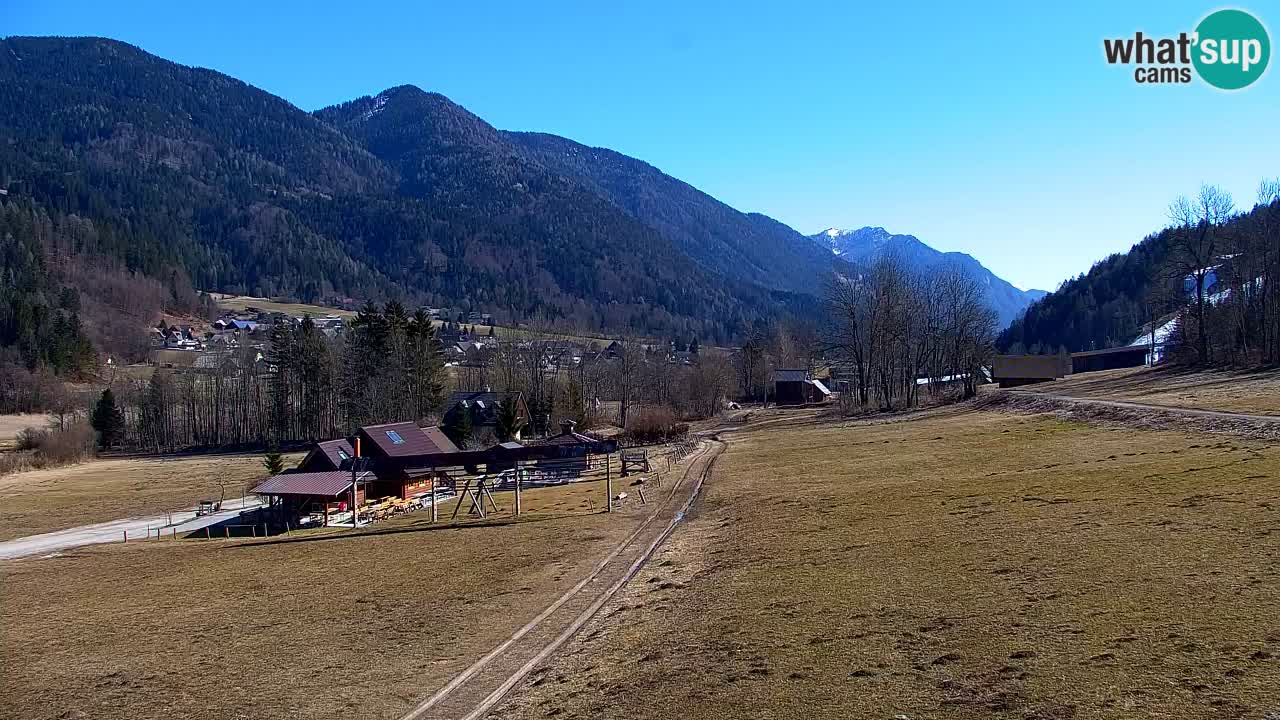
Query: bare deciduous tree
x=1194 y=248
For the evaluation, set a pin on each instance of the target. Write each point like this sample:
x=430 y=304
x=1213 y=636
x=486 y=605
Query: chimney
x=566 y=427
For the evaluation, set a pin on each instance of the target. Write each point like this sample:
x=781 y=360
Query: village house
x=483 y=405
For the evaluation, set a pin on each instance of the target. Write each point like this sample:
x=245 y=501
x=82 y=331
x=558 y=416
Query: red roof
x=328 y=484
x=406 y=439
x=330 y=450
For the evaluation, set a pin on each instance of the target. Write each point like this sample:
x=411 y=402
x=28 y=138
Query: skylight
x=395 y=437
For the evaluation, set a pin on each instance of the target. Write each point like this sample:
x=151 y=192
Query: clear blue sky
x=994 y=128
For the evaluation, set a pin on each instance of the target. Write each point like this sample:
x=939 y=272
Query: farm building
x=403 y=455
x=1110 y=359
x=571 y=452
x=1015 y=370
x=797 y=387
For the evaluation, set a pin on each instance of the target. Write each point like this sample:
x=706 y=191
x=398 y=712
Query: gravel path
x=116 y=530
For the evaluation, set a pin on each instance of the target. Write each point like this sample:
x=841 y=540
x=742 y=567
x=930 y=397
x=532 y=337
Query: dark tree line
x=304 y=387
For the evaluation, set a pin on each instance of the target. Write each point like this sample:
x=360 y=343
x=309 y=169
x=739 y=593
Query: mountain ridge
x=869 y=242
x=190 y=172
x=400 y=194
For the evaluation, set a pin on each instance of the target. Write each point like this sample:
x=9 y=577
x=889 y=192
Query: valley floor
x=954 y=562
x=317 y=624
x=971 y=565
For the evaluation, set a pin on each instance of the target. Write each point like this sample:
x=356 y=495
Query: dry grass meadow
x=11 y=425
x=960 y=564
x=970 y=565
x=39 y=501
x=321 y=624
x=1252 y=392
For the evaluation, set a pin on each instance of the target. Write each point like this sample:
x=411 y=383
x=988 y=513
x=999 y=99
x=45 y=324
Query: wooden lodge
x=401 y=465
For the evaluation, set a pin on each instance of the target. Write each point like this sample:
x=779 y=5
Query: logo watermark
x=1229 y=49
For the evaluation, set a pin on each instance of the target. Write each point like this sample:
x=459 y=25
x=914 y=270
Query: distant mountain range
x=857 y=246
x=188 y=177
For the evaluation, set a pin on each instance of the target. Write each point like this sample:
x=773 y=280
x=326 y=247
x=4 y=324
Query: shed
x=797 y=387
x=1110 y=358
x=301 y=493
x=1015 y=370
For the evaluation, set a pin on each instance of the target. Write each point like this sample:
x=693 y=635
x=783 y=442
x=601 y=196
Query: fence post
x=435 y=511
x=126 y=535
x=608 y=483
x=226 y=532
x=518 y=473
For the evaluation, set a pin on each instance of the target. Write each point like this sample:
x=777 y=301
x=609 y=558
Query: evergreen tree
x=273 y=461
x=107 y=419
x=509 y=424
x=459 y=427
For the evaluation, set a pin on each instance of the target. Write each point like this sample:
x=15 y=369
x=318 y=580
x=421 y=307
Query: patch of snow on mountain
x=379 y=103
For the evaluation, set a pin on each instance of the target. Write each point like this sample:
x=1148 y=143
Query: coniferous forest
x=1212 y=268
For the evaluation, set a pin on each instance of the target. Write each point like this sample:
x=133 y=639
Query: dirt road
x=486 y=682
x=1131 y=405
x=117 y=530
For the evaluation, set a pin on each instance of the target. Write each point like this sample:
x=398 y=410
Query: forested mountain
x=864 y=244
x=755 y=248
x=195 y=178
x=1109 y=305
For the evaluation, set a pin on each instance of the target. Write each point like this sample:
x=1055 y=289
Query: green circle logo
x=1232 y=49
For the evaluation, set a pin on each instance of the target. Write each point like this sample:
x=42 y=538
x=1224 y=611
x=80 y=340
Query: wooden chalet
x=403 y=462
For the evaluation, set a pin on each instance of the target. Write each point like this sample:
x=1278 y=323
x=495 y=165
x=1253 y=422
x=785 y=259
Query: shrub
x=655 y=424
x=50 y=448
x=30 y=438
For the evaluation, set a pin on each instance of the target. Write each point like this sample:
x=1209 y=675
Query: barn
x=797 y=387
x=1110 y=359
x=1016 y=370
